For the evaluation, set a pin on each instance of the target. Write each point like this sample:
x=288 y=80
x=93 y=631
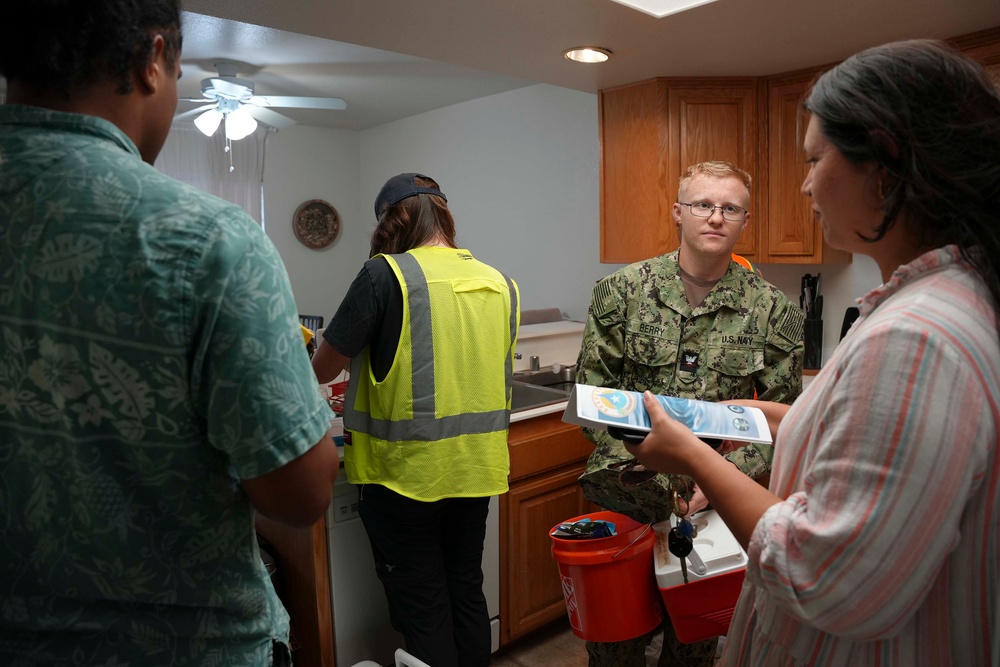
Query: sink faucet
x=535 y=365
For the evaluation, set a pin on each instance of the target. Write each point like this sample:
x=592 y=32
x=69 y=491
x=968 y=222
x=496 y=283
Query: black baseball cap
x=400 y=187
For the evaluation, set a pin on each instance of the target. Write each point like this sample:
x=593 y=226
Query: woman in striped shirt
x=878 y=542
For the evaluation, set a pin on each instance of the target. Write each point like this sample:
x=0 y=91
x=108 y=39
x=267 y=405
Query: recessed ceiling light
x=587 y=54
x=661 y=8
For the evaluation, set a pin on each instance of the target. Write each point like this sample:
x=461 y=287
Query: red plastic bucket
x=608 y=582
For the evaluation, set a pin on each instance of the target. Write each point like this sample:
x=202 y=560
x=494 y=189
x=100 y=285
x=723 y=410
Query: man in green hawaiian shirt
x=691 y=323
x=154 y=389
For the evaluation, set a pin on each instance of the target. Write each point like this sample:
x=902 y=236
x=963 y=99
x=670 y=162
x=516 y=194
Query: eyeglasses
x=703 y=209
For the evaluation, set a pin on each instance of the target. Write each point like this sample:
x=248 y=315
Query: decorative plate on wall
x=316 y=224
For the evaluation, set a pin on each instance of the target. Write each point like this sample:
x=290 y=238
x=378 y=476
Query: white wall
x=303 y=163
x=520 y=170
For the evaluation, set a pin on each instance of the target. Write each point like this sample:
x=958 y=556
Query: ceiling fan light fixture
x=208 y=122
x=224 y=97
x=239 y=123
x=587 y=54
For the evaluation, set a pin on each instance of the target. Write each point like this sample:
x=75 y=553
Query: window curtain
x=190 y=156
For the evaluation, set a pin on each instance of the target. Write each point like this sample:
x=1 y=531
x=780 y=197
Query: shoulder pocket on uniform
x=788 y=328
x=604 y=303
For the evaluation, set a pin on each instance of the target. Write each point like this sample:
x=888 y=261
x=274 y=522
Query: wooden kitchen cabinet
x=789 y=232
x=547 y=458
x=714 y=119
x=653 y=130
x=984 y=46
x=303 y=584
x=635 y=207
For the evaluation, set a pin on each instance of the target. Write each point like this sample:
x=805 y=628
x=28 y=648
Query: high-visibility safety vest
x=745 y=263
x=436 y=426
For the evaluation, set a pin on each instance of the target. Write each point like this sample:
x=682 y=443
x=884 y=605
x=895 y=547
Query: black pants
x=282 y=656
x=428 y=557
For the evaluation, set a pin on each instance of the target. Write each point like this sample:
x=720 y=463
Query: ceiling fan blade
x=268 y=117
x=193 y=112
x=203 y=100
x=333 y=103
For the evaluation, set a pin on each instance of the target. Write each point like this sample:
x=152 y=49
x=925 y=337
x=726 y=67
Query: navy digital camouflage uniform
x=745 y=337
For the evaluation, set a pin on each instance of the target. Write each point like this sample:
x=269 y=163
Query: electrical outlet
x=345 y=507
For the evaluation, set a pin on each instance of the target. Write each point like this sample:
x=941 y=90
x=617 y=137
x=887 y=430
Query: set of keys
x=680 y=540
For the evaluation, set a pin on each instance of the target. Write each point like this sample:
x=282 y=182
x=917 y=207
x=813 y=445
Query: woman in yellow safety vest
x=429 y=332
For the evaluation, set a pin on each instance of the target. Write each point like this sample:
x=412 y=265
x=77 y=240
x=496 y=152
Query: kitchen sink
x=563 y=379
x=526 y=396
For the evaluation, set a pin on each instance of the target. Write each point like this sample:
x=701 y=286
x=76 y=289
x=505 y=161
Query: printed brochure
x=601 y=407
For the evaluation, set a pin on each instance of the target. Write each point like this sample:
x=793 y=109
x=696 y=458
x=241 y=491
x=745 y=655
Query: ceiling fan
x=232 y=99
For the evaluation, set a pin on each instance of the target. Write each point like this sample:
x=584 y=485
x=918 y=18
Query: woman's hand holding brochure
x=669 y=446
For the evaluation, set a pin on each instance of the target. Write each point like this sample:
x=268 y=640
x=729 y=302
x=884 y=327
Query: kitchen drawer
x=544 y=443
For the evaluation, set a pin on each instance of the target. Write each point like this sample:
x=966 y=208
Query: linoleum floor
x=555 y=645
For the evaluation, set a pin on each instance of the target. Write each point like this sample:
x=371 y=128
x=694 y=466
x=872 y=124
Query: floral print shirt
x=150 y=359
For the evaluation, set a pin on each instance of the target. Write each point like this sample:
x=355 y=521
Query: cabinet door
x=532 y=590
x=635 y=223
x=791 y=233
x=713 y=119
x=303 y=585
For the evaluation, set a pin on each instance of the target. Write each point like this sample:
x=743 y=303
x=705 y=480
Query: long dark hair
x=56 y=46
x=413 y=222
x=930 y=118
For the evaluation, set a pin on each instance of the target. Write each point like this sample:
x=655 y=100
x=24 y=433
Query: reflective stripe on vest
x=424 y=425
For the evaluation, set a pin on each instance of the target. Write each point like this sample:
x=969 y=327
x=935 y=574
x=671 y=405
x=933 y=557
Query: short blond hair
x=716 y=169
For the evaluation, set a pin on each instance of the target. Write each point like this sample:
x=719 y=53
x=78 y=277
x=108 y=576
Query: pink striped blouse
x=886 y=550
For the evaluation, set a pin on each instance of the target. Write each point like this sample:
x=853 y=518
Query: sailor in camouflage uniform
x=742 y=336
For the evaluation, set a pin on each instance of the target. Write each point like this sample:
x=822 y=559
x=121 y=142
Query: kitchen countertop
x=545 y=329
x=537 y=412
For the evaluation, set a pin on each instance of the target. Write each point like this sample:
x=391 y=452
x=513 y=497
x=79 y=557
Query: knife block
x=812 y=332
